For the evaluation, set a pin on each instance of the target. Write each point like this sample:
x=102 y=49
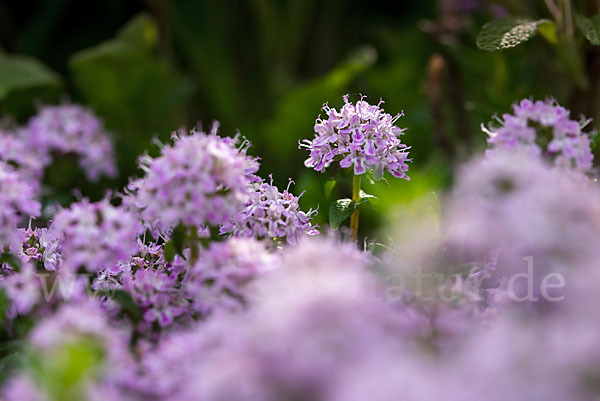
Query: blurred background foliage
x=265 y=67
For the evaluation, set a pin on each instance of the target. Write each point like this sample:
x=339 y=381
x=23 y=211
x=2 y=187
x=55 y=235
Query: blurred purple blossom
x=543 y=129
x=16 y=203
x=71 y=129
x=95 y=236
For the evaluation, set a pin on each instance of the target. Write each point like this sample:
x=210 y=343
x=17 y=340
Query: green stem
x=354 y=217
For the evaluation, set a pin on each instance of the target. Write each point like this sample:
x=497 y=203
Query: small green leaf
x=339 y=211
x=214 y=236
x=548 y=31
x=507 y=32
x=594 y=139
x=169 y=251
x=178 y=237
x=11 y=260
x=128 y=305
x=590 y=27
x=3 y=306
x=365 y=197
x=329 y=185
x=176 y=243
x=9 y=363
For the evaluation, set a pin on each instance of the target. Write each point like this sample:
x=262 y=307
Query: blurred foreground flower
x=71 y=129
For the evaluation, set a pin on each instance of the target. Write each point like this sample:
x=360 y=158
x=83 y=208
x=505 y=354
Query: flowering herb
x=272 y=214
x=360 y=136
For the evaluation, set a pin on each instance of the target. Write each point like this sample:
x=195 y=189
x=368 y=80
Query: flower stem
x=354 y=217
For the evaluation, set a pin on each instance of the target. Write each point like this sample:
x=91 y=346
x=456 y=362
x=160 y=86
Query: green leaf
x=548 y=31
x=339 y=211
x=62 y=372
x=590 y=27
x=10 y=346
x=10 y=260
x=21 y=73
x=176 y=243
x=507 y=32
x=365 y=197
x=9 y=363
x=128 y=305
x=3 y=306
x=329 y=185
x=23 y=82
x=594 y=139
x=214 y=236
x=169 y=251
x=135 y=89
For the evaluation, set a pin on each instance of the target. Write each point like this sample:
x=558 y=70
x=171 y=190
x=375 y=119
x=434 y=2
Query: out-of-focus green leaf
x=169 y=251
x=128 y=305
x=329 y=186
x=548 y=31
x=178 y=240
x=11 y=260
x=339 y=211
x=507 y=32
x=21 y=72
x=24 y=80
x=61 y=372
x=10 y=362
x=134 y=88
x=590 y=27
x=422 y=186
x=204 y=32
x=3 y=306
x=594 y=139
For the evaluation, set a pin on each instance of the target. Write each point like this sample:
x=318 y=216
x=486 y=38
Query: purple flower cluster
x=543 y=129
x=272 y=214
x=39 y=247
x=16 y=204
x=360 y=135
x=22 y=283
x=154 y=285
x=174 y=294
x=71 y=129
x=490 y=295
x=201 y=179
x=95 y=236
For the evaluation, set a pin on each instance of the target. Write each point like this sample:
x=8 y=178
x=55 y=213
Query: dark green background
x=265 y=67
